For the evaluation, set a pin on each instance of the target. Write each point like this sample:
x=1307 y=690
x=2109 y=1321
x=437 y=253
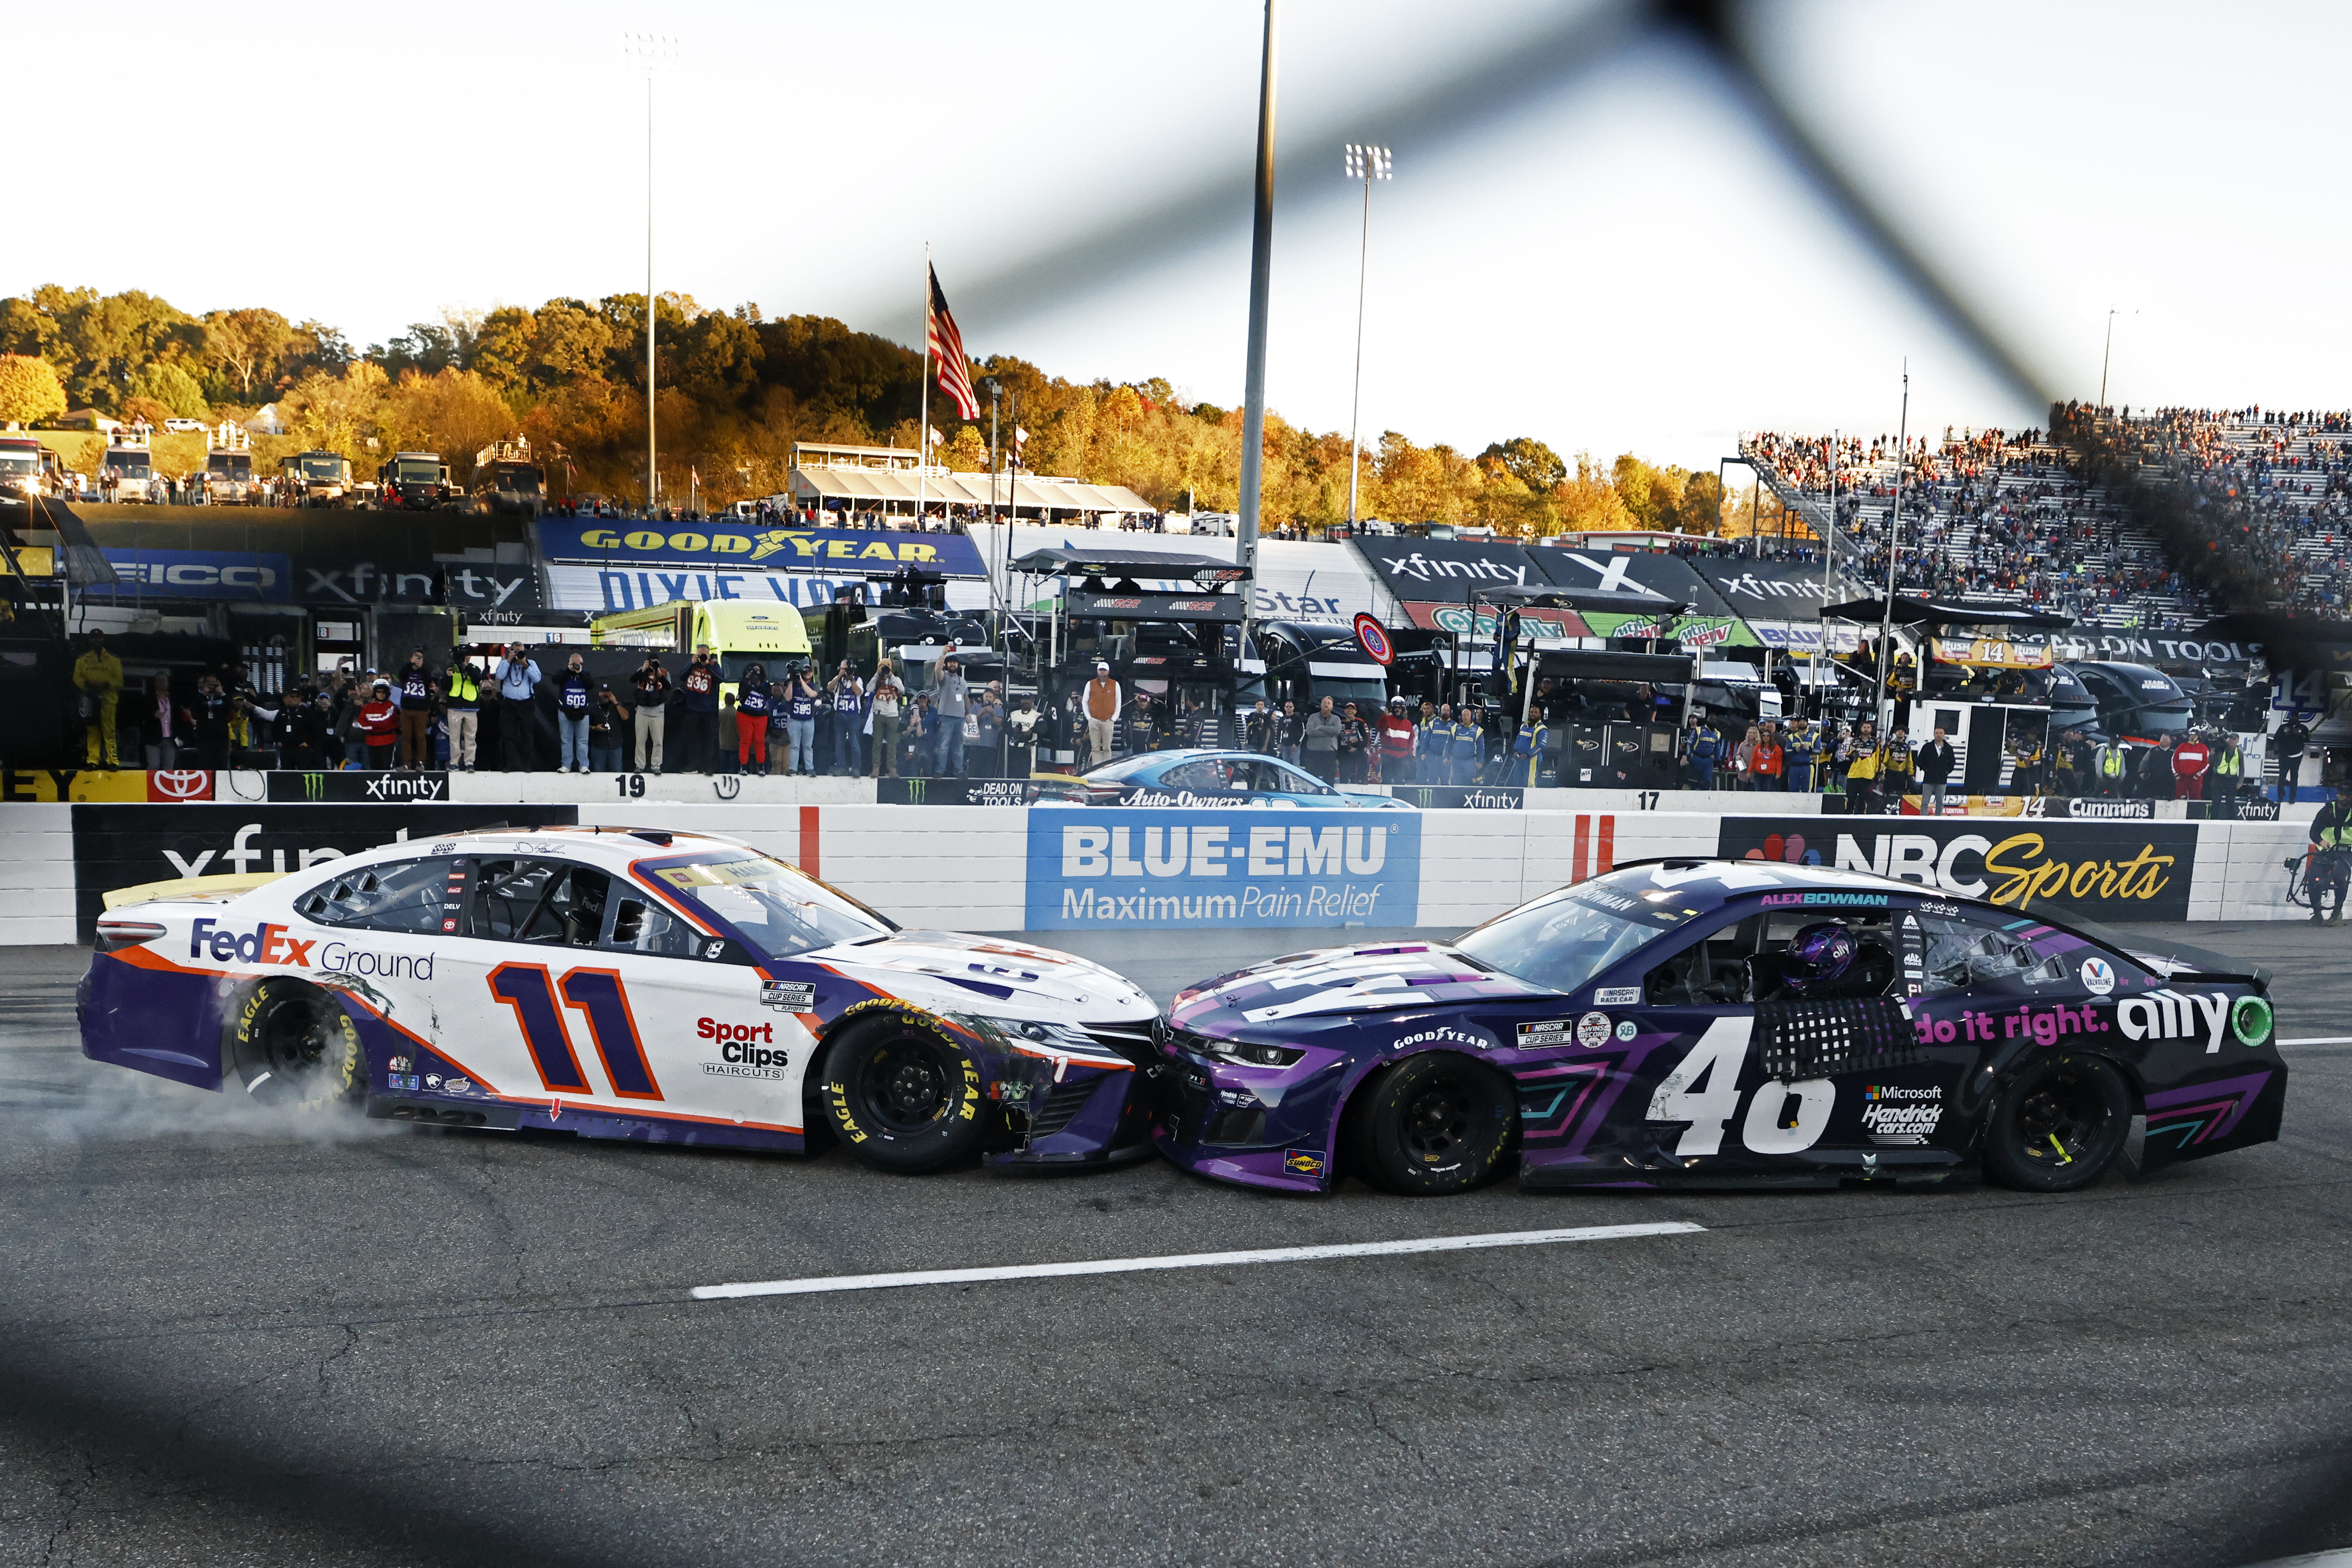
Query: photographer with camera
x=574 y=698
x=518 y=676
x=608 y=724
x=799 y=698
x=846 y=695
x=697 y=746
x=651 y=684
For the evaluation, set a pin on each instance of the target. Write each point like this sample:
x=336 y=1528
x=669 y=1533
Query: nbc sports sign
x=1138 y=868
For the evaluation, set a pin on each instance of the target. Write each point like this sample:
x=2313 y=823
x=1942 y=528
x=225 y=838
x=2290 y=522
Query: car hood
x=1368 y=977
x=955 y=971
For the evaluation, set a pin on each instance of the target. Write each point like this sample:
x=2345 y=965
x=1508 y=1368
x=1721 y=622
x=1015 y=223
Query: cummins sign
x=1139 y=868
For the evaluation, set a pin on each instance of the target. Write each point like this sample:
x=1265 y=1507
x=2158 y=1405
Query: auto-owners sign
x=1143 y=869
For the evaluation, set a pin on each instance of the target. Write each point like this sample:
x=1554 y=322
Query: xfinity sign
x=1130 y=868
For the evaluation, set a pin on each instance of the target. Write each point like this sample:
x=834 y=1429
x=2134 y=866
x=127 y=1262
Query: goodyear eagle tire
x=2059 y=1125
x=292 y=1044
x=903 y=1093
x=1432 y=1125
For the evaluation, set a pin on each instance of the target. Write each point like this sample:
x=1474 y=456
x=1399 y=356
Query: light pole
x=1366 y=164
x=652 y=52
x=1260 y=297
x=2107 y=353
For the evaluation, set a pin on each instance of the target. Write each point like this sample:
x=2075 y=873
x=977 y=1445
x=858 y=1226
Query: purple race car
x=1702 y=1022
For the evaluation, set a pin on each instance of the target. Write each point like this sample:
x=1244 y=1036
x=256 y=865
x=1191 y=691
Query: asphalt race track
x=227 y=1338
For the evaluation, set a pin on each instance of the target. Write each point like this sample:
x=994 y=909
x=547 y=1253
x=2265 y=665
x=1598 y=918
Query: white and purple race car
x=620 y=982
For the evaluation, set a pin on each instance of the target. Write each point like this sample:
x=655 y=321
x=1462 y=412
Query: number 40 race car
x=624 y=983
x=1702 y=1022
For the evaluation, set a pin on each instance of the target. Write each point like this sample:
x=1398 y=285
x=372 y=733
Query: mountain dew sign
x=1695 y=631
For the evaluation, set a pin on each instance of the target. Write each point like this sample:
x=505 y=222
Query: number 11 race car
x=625 y=984
x=1706 y=1022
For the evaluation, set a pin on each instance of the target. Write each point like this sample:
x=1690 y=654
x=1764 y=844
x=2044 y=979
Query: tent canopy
x=1587 y=663
x=1028 y=493
x=1573 y=599
x=1911 y=612
x=1111 y=561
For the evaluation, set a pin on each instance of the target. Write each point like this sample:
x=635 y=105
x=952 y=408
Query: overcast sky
x=1606 y=258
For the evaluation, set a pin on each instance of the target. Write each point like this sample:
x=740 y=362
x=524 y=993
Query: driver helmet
x=1819 y=955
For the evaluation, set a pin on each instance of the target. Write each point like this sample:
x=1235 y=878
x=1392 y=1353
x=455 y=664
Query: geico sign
x=2022 y=862
x=185 y=574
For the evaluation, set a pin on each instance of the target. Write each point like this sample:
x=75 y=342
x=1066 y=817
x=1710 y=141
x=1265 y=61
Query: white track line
x=2321 y=1041
x=1191 y=1260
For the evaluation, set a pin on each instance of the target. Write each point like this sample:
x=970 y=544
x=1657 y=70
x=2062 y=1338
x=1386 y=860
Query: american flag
x=946 y=347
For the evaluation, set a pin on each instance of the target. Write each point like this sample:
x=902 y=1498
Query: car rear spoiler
x=227 y=885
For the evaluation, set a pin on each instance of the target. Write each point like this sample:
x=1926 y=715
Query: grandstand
x=2001 y=517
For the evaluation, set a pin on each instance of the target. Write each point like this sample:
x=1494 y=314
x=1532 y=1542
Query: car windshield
x=1125 y=768
x=128 y=466
x=1564 y=940
x=237 y=463
x=415 y=470
x=525 y=480
x=19 y=462
x=778 y=910
x=322 y=467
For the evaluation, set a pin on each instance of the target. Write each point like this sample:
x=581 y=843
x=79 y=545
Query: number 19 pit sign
x=1130 y=868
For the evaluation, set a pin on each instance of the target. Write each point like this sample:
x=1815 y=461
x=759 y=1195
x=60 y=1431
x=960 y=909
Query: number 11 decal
x=599 y=996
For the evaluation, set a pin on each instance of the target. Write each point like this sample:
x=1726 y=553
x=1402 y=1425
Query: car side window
x=1748 y=959
x=399 y=895
x=547 y=902
x=1959 y=955
x=1203 y=774
x=1283 y=777
x=642 y=925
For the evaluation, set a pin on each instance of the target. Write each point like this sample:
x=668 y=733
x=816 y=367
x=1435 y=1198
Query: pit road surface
x=230 y=1338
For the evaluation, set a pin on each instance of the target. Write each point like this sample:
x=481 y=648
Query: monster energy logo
x=914 y=791
x=314 y=786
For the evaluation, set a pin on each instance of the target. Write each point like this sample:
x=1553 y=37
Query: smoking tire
x=1432 y=1125
x=2059 y=1125
x=903 y=1094
x=291 y=1044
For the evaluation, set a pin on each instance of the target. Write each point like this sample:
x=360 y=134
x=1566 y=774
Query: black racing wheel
x=903 y=1093
x=2059 y=1125
x=1432 y=1124
x=292 y=1044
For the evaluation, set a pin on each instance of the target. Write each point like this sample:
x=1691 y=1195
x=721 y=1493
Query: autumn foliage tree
x=736 y=389
x=29 y=390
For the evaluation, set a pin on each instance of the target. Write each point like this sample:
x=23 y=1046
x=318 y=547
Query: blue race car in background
x=1201 y=776
x=1702 y=1022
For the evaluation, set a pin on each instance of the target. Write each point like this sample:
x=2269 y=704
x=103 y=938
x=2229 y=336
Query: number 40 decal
x=1716 y=1061
x=597 y=993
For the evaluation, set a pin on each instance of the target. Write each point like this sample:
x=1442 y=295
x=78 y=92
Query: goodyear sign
x=1141 y=868
x=736 y=545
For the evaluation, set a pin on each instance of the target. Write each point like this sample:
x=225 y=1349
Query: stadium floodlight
x=652 y=52
x=1367 y=163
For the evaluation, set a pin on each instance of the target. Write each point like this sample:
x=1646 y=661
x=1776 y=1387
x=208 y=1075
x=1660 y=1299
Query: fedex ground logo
x=1139 y=869
x=263 y=944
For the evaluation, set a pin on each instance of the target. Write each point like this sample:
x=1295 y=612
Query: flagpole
x=1261 y=287
x=923 y=435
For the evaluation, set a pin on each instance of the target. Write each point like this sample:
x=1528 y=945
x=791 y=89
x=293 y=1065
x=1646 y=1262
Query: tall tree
x=29 y=389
